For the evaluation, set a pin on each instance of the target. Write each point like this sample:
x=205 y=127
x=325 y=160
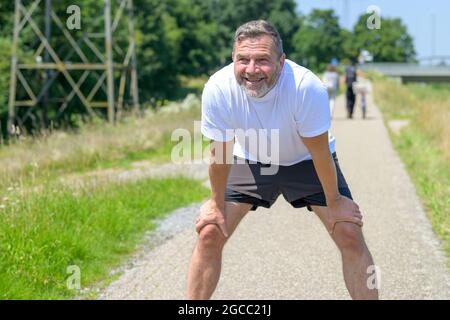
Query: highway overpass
x=409 y=72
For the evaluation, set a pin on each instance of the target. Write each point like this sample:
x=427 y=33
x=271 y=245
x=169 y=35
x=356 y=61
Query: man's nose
x=252 y=67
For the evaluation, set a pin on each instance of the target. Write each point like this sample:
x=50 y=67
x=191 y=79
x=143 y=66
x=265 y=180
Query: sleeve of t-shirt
x=216 y=116
x=312 y=115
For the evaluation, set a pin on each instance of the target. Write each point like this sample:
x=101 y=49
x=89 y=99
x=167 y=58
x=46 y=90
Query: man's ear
x=282 y=60
x=232 y=55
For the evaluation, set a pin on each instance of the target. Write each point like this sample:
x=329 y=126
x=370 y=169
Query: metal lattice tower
x=94 y=61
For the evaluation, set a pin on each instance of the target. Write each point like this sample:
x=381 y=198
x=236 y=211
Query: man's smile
x=253 y=81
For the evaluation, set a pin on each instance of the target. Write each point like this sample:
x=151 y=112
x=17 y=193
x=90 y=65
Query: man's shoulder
x=295 y=69
x=302 y=76
x=223 y=76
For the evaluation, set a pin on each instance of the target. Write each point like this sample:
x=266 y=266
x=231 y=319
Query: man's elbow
x=221 y=152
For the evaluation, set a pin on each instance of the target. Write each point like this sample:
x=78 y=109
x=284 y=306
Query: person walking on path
x=362 y=88
x=262 y=90
x=350 y=78
x=331 y=81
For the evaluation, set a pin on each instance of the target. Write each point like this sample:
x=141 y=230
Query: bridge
x=411 y=72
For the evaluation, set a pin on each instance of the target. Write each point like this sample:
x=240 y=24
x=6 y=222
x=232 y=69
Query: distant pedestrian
x=362 y=88
x=331 y=81
x=350 y=78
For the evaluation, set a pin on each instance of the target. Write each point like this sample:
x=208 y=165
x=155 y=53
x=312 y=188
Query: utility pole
x=346 y=15
x=13 y=77
x=46 y=77
x=433 y=34
x=134 y=80
x=109 y=61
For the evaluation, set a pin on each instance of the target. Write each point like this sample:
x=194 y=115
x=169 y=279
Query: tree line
x=193 y=38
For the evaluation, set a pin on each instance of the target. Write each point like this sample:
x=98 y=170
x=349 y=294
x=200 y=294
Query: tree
x=284 y=17
x=349 y=51
x=390 y=43
x=158 y=49
x=318 y=40
x=6 y=18
x=230 y=14
x=5 y=57
x=199 y=36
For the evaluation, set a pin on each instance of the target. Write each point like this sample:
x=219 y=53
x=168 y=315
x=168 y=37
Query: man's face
x=257 y=65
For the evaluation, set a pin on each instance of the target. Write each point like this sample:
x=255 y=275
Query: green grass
x=99 y=146
x=45 y=232
x=423 y=144
x=47 y=225
x=431 y=176
x=31 y=175
x=159 y=153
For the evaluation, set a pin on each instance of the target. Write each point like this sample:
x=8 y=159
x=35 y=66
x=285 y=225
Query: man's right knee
x=211 y=237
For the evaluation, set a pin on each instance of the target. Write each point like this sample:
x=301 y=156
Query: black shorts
x=298 y=183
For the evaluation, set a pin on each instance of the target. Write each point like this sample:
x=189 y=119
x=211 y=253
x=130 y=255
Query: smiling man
x=262 y=90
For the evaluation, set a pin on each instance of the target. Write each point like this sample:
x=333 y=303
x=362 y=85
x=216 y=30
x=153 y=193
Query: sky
x=417 y=15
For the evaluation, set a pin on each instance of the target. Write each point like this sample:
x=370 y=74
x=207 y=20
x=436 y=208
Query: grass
x=47 y=226
x=95 y=146
x=423 y=145
x=44 y=233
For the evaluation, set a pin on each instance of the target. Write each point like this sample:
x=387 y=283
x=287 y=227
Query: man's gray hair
x=256 y=28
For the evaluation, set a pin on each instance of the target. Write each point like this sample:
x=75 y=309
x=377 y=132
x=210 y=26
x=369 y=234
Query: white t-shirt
x=296 y=106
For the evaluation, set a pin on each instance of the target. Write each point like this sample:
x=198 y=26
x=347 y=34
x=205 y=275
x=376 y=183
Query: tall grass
x=434 y=113
x=93 y=146
x=424 y=145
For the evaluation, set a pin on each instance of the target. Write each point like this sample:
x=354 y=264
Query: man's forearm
x=326 y=170
x=219 y=169
x=218 y=176
x=324 y=165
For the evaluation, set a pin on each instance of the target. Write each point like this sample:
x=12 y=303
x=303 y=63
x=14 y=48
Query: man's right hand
x=211 y=213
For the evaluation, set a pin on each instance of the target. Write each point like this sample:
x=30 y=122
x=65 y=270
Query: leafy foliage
x=390 y=43
x=179 y=39
x=318 y=40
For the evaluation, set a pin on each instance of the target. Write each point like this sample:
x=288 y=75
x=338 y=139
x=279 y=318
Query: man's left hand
x=342 y=209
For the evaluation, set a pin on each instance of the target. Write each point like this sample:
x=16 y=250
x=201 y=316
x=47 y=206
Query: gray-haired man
x=261 y=90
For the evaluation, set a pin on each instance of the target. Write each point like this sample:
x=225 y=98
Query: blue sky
x=417 y=15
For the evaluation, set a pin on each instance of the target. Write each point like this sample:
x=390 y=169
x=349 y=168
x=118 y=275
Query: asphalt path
x=286 y=253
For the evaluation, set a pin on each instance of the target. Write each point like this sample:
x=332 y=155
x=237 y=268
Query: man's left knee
x=348 y=237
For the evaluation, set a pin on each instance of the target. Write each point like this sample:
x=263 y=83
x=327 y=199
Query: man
x=263 y=90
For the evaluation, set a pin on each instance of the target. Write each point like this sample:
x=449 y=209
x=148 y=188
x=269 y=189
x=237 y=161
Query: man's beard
x=256 y=93
x=263 y=89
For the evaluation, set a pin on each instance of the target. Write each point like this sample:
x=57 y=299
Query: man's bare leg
x=206 y=260
x=356 y=257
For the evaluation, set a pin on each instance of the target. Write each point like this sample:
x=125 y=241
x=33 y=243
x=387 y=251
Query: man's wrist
x=218 y=202
x=332 y=198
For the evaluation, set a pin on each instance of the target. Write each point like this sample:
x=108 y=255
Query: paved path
x=285 y=253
